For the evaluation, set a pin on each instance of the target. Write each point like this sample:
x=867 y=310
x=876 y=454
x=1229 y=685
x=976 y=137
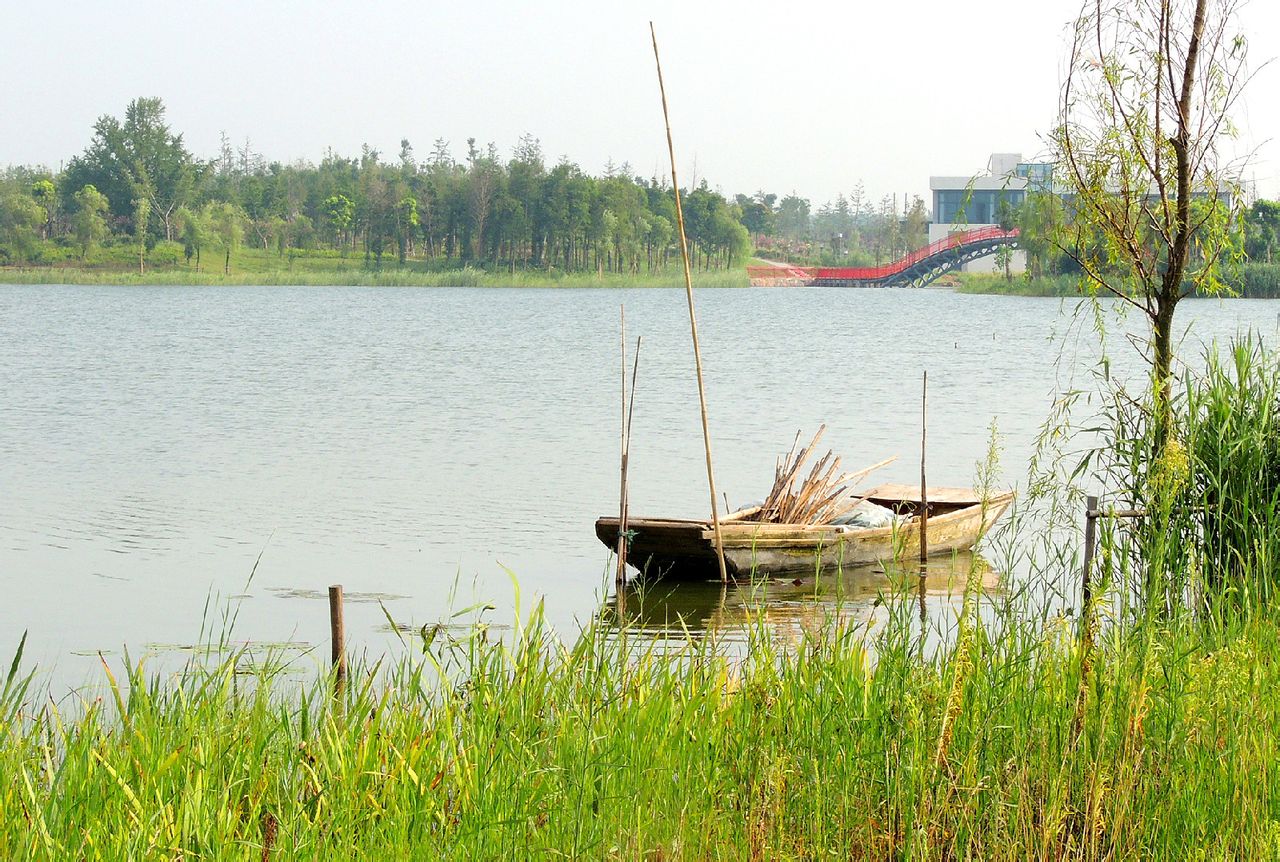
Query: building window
x=979 y=206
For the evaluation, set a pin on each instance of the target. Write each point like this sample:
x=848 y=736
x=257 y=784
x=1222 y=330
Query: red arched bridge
x=915 y=270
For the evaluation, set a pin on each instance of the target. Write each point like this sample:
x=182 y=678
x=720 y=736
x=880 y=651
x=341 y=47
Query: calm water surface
x=418 y=445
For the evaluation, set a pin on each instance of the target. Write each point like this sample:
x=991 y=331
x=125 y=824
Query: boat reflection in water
x=792 y=607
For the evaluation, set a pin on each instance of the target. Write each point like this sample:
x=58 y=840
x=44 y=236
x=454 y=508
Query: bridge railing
x=879 y=273
x=771 y=274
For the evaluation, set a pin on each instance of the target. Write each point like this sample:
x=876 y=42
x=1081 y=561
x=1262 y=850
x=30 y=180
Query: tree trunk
x=1162 y=372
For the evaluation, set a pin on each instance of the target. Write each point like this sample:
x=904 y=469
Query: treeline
x=851 y=230
x=136 y=184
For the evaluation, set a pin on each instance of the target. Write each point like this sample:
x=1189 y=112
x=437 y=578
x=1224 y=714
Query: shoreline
x=465 y=277
x=1253 y=281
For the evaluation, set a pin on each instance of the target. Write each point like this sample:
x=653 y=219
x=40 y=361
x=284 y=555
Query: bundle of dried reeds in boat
x=822 y=496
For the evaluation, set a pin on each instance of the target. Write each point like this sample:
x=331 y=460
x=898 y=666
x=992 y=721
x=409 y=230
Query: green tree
x=406 y=222
x=758 y=216
x=20 y=220
x=916 y=225
x=226 y=227
x=659 y=238
x=139 y=157
x=45 y=193
x=793 y=217
x=1040 y=221
x=1007 y=219
x=339 y=211
x=1145 y=104
x=141 y=215
x=526 y=181
x=276 y=231
x=301 y=232
x=87 y=221
x=1262 y=229
x=193 y=231
x=482 y=186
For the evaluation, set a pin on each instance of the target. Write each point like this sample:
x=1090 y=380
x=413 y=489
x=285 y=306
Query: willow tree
x=225 y=223
x=87 y=221
x=1145 y=108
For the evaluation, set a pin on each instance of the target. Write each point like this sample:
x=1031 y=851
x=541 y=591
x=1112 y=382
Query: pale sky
x=803 y=95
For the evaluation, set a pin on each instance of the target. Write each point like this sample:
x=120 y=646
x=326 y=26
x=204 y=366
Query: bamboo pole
x=628 y=411
x=924 y=490
x=621 y=576
x=631 y=410
x=693 y=323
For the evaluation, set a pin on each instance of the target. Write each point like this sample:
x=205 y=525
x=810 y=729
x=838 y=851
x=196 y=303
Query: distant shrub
x=1260 y=280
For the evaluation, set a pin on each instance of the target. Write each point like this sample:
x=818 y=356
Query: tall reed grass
x=1232 y=427
x=1209 y=537
x=615 y=749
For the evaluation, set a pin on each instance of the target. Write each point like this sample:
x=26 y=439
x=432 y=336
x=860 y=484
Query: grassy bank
x=605 y=752
x=995 y=283
x=249 y=266
x=1255 y=280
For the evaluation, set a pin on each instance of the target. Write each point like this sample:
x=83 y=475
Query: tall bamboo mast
x=693 y=322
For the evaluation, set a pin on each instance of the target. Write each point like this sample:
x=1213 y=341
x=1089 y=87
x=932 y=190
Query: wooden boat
x=664 y=547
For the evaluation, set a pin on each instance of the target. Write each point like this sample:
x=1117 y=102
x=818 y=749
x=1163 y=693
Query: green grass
x=996 y=283
x=611 y=750
x=118 y=264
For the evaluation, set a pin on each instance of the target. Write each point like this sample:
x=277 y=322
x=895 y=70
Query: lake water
x=425 y=447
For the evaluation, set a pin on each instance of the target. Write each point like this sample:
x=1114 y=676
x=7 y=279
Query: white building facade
x=967 y=203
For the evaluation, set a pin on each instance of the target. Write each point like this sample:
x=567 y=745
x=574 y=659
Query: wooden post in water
x=924 y=491
x=1086 y=575
x=693 y=323
x=337 y=636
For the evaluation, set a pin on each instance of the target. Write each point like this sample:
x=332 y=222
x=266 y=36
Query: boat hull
x=664 y=547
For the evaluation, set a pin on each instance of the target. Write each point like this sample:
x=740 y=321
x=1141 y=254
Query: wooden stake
x=693 y=323
x=337 y=636
x=629 y=407
x=924 y=490
x=1086 y=580
x=1091 y=515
